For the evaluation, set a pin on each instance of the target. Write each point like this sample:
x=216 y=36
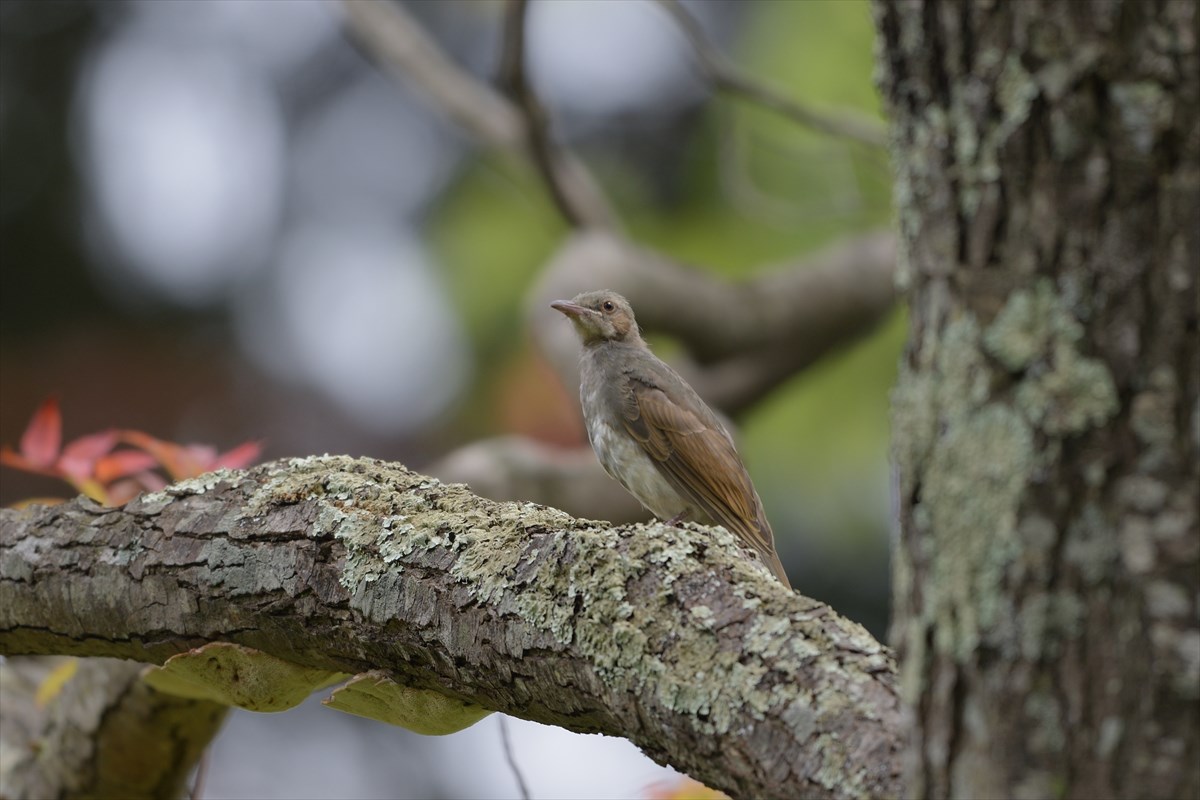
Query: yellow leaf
x=53 y=683
x=376 y=696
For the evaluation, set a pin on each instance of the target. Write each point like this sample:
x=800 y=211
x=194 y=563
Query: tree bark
x=103 y=734
x=671 y=637
x=1047 y=422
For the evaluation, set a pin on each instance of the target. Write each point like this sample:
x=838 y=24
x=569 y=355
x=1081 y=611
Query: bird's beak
x=570 y=309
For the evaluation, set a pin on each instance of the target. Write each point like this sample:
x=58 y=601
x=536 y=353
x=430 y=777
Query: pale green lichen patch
x=974 y=485
x=567 y=581
x=977 y=152
x=913 y=421
x=703 y=615
x=234 y=675
x=376 y=696
x=197 y=485
x=1075 y=394
x=958 y=384
x=1061 y=391
x=973 y=457
x=1029 y=323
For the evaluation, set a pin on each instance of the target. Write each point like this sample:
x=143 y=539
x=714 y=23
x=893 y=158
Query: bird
x=653 y=434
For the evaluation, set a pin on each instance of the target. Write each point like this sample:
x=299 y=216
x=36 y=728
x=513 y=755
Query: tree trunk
x=1047 y=426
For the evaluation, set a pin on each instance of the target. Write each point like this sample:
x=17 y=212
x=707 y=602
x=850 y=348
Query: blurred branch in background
x=549 y=159
x=399 y=43
x=402 y=46
x=728 y=78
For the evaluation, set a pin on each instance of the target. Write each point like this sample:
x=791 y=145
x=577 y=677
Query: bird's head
x=601 y=316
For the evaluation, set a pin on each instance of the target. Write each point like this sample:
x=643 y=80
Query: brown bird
x=654 y=434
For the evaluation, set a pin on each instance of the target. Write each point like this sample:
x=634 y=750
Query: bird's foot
x=675 y=520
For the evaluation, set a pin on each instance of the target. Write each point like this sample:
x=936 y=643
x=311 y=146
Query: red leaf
x=188 y=461
x=11 y=458
x=123 y=462
x=243 y=455
x=79 y=457
x=43 y=437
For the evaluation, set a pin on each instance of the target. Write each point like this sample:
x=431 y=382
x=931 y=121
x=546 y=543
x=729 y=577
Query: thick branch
x=671 y=637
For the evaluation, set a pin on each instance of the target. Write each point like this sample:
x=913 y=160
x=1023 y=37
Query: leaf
x=53 y=683
x=122 y=463
x=11 y=458
x=78 y=459
x=235 y=675
x=684 y=788
x=175 y=459
x=43 y=436
x=93 y=489
x=376 y=696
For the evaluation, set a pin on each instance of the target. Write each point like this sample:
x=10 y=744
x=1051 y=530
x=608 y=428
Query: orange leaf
x=188 y=461
x=176 y=459
x=243 y=455
x=43 y=436
x=79 y=458
x=683 y=788
x=122 y=463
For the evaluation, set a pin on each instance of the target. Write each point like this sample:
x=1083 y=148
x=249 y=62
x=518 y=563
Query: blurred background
x=221 y=221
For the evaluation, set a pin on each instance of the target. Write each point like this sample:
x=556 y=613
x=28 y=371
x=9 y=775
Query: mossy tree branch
x=667 y=636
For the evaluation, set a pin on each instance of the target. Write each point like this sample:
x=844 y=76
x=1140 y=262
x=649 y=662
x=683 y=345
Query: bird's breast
x=625 y=460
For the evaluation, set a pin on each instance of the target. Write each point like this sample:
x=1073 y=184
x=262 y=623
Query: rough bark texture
x=667 y=636
x=1047 y=427
x=105 y=734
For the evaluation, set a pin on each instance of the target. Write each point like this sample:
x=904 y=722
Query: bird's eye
x=608 y=306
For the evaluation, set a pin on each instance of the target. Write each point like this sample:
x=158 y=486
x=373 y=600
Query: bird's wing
x=701 y=462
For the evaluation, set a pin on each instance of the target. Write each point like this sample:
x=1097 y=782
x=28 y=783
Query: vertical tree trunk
x=1047 y=427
